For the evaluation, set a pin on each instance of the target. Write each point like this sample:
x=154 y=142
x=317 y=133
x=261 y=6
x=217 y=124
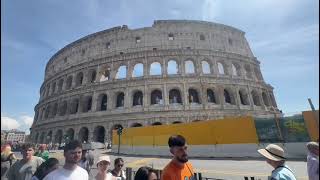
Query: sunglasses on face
x=120 y=165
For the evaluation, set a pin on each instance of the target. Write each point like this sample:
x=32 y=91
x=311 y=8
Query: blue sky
x=283 y=35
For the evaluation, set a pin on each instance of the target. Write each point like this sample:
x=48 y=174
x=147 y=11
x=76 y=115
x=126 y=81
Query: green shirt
x=44 y=155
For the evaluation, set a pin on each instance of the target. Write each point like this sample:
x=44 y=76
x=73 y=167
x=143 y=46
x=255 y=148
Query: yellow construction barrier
x=232 y=130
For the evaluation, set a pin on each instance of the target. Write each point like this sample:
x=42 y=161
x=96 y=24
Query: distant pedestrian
x=23 y=169
x=7 y=158
x=70 y=170
x=45 y=168
x=117 y=172
x=42 y=152
x=87 y=158
x=313 y=160
x=274 y=155
x=102 y=165
x=146 y=173
x=179 y=168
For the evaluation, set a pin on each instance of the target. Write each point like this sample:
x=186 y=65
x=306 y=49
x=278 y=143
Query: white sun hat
x=103 y=158
x=273 y=152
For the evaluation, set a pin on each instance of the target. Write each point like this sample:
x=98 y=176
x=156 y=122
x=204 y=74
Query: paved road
x=214 y=168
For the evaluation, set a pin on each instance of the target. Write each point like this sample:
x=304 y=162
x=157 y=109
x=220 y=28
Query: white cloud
x=9 y=123
x=28 y=120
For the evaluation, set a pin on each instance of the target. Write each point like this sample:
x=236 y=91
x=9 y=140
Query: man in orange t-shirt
x=179 y=168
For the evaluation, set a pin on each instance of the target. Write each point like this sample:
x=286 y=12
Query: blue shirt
x=282 y=173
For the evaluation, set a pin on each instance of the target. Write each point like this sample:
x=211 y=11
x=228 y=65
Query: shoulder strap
x=287 y=168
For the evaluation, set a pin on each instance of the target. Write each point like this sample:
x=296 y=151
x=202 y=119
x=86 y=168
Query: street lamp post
x=119 y=132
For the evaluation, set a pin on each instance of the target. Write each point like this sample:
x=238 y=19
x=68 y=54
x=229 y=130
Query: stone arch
x=189 y=67
x=60 y=84
x=74 y=106
x=221 y=68
x=83 y=135
x=70 y=134
x=47 y=112
x=99 y=134
x=206 y=69
x=120 y=99
x=92 y=75
x=273 y=101
x=212 y=96
x=248 y=71
x=136 y=125
x=137 y=98
x=49 y=137
x=36 y=139
x=58 y=136
x=193 y=96
x=243 y=95
x=53 y=87
x=121 y=72
x=63 y=108
x=156 y=97
x=54 y=110
x=87 y=104
x=137 y=70
x=228 y=96
x=69 y=82
x=156 y=123
x=265 y=99
x=42 y=137
x=155 y=69
x=104 y=73
x=255 y=98
x=175 y=96
x=172 y=67
x=177 y=122
x=235 y=69
x=79 y=79
x=257 y=73
x=102 y=104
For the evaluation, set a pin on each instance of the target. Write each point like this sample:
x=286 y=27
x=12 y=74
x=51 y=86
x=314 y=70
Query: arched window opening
x=138 y=70
x=104 y=74
x=53 y=88
x=265 y=99
x=156 y=97
x=227 y=96
x=69 y=82
x=137 y=99
x=243 y=97
x=120 y=100
x=220 y=68
x=174 y=96
x=155 y=69
x=172 y=67
x=99 y=134
x=122 y=72
x=136 y=125
x=69 y=135
x=205 y=67
x=170 y=37
x=255 y=98
x=248 y=71
x=103 y=102
x=46 y=115
x=74 y=106
x=202 y=37
x=63 y=108
x=210 y=96
x=58 y=137
x=92 y=76
x=60 y=84
x=189 y=67
x=54 y=110
x=156 y=124
x=193 y=96
x=79 y=79
x=84 y=135
x=234 y=70
x=87 y=104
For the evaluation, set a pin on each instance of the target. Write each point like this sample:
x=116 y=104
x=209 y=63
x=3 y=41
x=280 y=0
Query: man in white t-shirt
x=70 y=170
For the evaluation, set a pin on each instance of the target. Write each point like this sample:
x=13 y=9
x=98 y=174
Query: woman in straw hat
x=313 y=160
x=102 y=164
x=274 y=155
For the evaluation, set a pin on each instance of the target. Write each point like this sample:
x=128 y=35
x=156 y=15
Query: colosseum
x=176 y=71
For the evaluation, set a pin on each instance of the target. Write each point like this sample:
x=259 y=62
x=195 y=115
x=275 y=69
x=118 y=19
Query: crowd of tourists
x=79 y=161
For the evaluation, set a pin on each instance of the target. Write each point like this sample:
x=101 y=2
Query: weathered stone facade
x=214 y=75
